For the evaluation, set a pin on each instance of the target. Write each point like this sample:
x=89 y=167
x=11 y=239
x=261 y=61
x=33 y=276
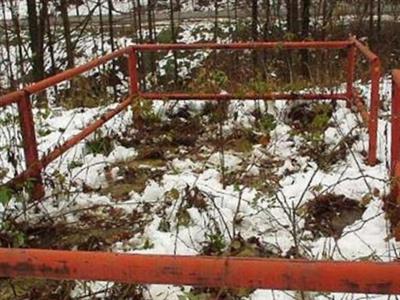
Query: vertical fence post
x=134 y=88
x=395 y=141
x=30 y=145
x=351 y=65
x=395 y=155
x=133 y=73
x=373 y=118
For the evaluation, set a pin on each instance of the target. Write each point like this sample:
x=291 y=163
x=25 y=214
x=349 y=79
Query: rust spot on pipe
x=352 y=286
x=382 y=287
x=361 y=108
x=30 y=268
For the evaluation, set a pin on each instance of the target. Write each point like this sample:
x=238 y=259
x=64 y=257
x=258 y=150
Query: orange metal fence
x=35 y=165
x=375 y=73
x=393 y=205
x=279 y=274
x=366 y=277
x=395 y=146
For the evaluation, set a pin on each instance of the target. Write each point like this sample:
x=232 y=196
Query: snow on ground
x=123 y=7
x=262 y=215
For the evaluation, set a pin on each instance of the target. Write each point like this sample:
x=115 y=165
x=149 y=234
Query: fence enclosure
x=285 y=274
x=35 y=165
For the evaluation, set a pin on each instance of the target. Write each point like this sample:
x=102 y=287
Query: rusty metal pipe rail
x=395 y=120
x=22 y=97
x=395 y=151
x=229 y=272
x=359 y=104
x=72 y=141
x=69 y=74
x=61 y=77
x=364 y=49
x=11 y=98
x=375 y=74
x=396 y=77
x=244 y=46
x=58 y=151
x=247 y=96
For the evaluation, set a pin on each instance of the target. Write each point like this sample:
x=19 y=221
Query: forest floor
x=201 y=178
x=241 y=179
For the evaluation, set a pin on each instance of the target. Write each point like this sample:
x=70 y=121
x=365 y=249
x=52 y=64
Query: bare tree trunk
x=173 y=36
x=149 y=20
x=371 y=17
x=278 y=13
x=379 y=21
x=215 y=37
x=235 y=36
x=139 y=14
x=50 y=44
x=112 y=43
x=305 y=24
x=216 y=6
x=254 y=19
x=254 y=31
x=178 y=8
x=305 y=31
x=142 y=67
x=36 y=41
x=110 y=24
x=228 y=9
x=152 y=34
x=288 y=16
x=7 y=45
x=134 y=21
x=17 y=29
x=235 y=11
x=267 y=21
x=292 y=28
x=292 y=17
x=295 y=16
x=67 y=33
x=328 y=8
x=101 y=25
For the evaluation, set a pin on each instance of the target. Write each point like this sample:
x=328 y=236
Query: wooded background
x=30 y=29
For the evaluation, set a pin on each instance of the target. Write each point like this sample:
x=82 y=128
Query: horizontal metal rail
x=60 y=150
x=69 y=74
x=364 y=50
x=249 y=45
x=11 y=98
x=57 y=152
x=60 y=77
x=247 y=96
x=229 y=272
